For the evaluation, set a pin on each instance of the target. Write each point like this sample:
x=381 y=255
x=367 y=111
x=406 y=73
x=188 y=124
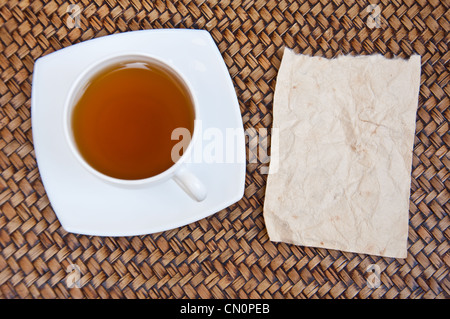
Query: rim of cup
x=76 y=92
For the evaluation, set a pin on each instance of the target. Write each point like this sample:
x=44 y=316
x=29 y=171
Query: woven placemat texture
x=227 y=255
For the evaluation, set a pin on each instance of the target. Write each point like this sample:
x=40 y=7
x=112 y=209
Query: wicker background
x=227 y=255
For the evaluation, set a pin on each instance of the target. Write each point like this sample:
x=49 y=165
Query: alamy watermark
x=74 y=16
x=73 y=278
x=216 y=145
x=374 y=18
x=374 y=274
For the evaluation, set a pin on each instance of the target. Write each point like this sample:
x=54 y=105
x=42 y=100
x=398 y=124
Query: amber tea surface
x=122 y=123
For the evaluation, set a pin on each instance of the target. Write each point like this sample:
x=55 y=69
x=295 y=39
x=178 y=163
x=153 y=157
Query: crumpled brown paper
x=345 y=138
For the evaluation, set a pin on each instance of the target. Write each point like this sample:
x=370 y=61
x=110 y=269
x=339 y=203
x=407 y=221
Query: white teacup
x=178 y=171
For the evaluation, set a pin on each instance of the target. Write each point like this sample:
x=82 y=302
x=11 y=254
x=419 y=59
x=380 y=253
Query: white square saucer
x=87 y=205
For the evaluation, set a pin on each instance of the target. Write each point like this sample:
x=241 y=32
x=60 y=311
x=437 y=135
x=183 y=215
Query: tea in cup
x=120 y=116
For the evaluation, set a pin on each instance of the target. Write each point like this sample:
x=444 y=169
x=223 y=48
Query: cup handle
x=190 y=184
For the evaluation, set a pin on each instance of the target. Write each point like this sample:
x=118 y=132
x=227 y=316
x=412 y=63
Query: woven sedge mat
x=227 y=255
